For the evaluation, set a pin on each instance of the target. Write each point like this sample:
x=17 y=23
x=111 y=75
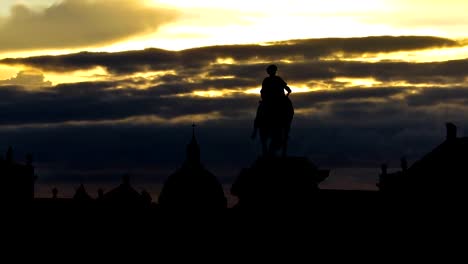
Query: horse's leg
x=285 y=140
x=272 y=148
x=264 y=139
x=276 y=141
x=285 y=148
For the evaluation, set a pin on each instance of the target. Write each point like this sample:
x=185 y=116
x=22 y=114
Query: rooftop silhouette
x=270 y=182
x=82 y=195
x=125 y=196
x=443 y=170
x=17 y=180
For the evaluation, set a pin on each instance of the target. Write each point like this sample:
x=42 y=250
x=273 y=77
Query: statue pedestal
x=278 y=182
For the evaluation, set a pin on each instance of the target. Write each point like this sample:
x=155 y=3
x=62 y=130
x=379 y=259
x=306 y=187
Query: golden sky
x=53 y=27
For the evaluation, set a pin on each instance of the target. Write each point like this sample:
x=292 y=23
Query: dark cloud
x=197 y=69
x=119 y=62
x=313 y=98
x=372 y=44
x=439 y=95
x=97 y=101
x=431 y=72
x=198 y=58
x=101 y=101
x=94 y=101
x=77 y=23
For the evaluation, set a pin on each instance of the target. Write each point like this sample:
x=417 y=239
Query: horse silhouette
x=273 y=121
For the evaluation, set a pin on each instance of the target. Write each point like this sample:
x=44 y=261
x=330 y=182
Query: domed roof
x=192 y=186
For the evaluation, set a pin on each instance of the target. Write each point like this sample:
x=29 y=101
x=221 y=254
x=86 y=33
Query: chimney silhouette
x=54 y=193
x=451 y=131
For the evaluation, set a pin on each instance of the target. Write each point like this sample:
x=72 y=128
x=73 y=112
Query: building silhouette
x=444 y=170
x=270 y=182
x=192 y=186
x=16 y=180
x=125 y=196
x=81 y=195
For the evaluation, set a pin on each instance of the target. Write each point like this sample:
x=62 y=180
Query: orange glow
x=363 y=82
x=294 y=89
x=96 y=74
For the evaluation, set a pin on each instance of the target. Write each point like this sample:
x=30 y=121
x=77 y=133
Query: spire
x=193 y=149
x=193 y=133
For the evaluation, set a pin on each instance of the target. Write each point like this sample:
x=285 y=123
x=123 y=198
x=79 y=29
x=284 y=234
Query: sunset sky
x=99 y=87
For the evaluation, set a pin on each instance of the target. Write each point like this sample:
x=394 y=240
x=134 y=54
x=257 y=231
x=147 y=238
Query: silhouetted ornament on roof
x=124 y=194
x=81 y=195
x=192 y=186
x=278 y=181
x=55 y=193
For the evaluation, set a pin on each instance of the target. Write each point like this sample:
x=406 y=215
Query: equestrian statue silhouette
x=274 y=114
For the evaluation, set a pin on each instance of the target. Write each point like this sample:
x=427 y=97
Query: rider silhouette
x=274 y=113
x=273 y=86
